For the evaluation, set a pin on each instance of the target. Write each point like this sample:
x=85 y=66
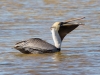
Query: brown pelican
x=36 y=45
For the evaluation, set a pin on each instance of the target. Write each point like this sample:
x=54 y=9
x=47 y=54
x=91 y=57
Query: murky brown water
x=23 y=19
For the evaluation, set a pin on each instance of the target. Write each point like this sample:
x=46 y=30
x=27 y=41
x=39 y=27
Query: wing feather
x=35 y=45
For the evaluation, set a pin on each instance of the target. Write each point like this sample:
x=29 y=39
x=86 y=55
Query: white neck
x=56 y=38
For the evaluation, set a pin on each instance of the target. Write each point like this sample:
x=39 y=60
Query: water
x=23 y=19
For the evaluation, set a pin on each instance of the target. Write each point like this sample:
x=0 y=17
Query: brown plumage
x=36 y=45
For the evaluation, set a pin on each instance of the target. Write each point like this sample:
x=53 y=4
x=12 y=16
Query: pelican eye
x=61 y=23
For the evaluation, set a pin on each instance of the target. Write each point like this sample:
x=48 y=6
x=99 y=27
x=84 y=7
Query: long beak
x=69 y=24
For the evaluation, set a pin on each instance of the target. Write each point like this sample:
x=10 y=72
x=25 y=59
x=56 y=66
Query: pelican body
x=36 y=45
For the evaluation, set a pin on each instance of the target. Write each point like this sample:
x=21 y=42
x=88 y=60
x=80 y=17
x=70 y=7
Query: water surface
x=23 y=19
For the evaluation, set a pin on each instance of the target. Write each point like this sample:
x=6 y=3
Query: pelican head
x=63 y=28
